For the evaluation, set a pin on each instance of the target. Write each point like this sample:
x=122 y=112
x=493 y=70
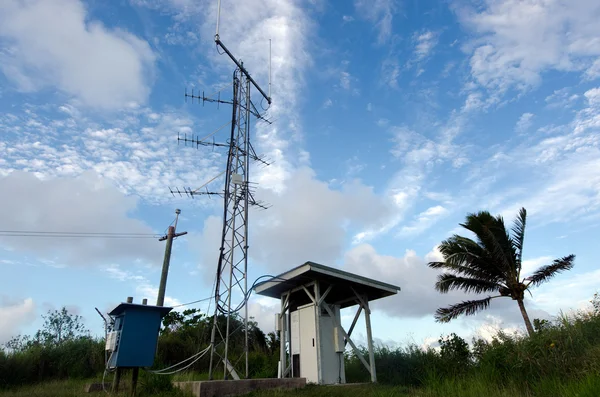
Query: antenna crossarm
x=242 y=68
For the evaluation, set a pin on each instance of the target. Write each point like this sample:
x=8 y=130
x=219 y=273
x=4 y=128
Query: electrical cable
x=247 y=296
x=161 y=371
x=191 y=303
x=201 y=353
x=92 y=233
x=46 y=234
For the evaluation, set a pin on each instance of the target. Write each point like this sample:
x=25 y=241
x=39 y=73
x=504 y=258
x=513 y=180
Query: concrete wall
x=225 y=388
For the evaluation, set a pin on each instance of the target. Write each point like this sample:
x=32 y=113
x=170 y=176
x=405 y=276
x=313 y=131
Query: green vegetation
x=490 y=264
x=562 y=358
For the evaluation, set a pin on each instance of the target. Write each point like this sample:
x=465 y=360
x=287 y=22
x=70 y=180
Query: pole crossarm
x=241 y=67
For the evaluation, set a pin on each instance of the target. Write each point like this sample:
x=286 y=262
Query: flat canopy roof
x=124 y=306
x=340 y=294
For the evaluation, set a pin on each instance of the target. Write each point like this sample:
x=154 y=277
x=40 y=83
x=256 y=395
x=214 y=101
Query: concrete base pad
x=226 y=388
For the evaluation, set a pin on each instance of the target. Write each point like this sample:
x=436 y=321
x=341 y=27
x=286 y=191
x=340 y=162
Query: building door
x=308 y=344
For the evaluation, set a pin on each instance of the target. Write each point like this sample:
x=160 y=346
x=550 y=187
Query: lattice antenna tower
x=231 y=287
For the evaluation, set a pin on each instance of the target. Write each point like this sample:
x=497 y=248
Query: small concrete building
x=313 y=340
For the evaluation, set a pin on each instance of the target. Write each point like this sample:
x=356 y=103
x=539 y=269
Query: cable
x=197 y=356
x=247 y=296
x=46 y=234
x=74 y=236
x=105 y=233
x=190 y=303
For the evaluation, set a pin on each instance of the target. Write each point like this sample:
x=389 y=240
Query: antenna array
x=231 y=287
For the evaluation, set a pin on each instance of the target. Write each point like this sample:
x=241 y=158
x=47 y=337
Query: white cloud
x=424 y=221
x=13 y=316
x=531 y=265
x=311 y=219
x=593 y=71
x=84 y=204
x=138 y=150
x=390 y=71
x=104 y=68
x=143 y=287
x=345 y=80
x=524 y=123
x=424 y=44
x=327 y=104
x=561 y=99
x=383 y=122
x=565 y=168
x=419 y=299
x=519 y=40
x=379 y=12
x=347 y=18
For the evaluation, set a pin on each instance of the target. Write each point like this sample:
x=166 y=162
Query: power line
x=74 y=236
x=66 y=234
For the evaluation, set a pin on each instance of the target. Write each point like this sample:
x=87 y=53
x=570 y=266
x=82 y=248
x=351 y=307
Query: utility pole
x=165 y=269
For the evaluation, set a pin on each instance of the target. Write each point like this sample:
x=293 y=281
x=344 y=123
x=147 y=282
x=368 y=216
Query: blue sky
x=393 y=120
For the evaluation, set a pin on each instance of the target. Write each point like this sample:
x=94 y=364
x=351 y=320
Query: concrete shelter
x=312 y=338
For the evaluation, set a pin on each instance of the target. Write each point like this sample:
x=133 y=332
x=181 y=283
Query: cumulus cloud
x=14 y=314
x=104 y=68
x=85 y=204
x=418 y=297
x=310 y=221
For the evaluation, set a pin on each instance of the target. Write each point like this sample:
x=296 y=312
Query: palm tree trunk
x=525 y=317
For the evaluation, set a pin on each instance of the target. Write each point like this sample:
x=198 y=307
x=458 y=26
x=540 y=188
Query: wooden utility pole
x=165 y=269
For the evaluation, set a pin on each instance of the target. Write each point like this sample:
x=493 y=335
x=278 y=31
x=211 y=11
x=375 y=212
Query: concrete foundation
x=226 y=388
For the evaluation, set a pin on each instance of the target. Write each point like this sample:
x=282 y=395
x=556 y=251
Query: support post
x=116 y=380
x=282 y=324
x=317 y=300
x=370 y=340
x=119 y=370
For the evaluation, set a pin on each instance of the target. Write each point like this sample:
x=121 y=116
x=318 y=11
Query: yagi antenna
x=269 y=67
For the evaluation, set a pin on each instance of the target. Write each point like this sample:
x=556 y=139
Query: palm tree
x=492 y=263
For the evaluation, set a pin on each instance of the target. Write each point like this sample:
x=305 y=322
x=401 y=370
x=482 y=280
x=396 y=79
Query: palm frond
x=545 y=273
x=447 y=282
x=518 y=230
x=493 y=238
x=446 y=314
x=463 y=255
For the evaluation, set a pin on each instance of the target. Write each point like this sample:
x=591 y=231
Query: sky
x=391 y=121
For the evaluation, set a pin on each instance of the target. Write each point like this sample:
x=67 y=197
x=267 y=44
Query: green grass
x=476 y=386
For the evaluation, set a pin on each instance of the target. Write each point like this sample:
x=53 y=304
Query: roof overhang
x=125 y=306
x=344 y=284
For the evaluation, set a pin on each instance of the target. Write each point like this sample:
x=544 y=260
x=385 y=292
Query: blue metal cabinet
x=135 y=334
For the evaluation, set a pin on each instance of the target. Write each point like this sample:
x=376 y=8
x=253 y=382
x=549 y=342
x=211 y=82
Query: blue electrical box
x=134 y=338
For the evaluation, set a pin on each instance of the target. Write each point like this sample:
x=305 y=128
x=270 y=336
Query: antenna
x=218 y=18
x=231 y=288
x=269 y=67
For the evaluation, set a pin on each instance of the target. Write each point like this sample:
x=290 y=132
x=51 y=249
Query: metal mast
x=231 y=287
